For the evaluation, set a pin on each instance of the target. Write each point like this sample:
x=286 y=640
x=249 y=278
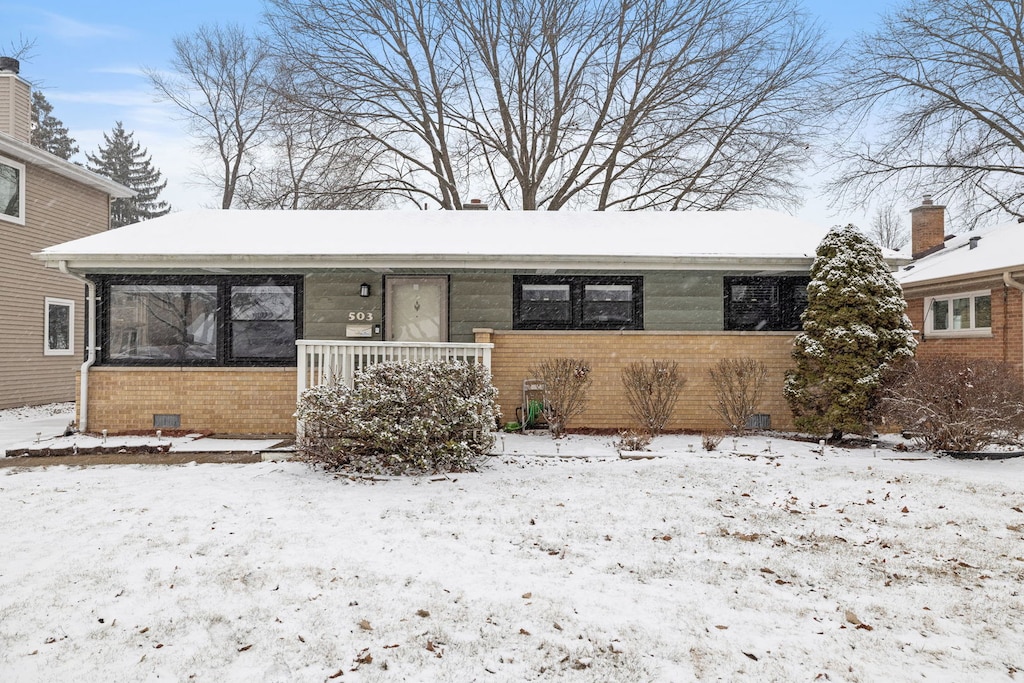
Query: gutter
x=90 y=360
x=1010 y=282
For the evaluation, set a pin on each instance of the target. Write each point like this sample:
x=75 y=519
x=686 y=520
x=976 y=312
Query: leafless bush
x=566 y=383
x=652 y=390
x=954 y=404
x=710 y=440
x=632 y=441
x=739 y=384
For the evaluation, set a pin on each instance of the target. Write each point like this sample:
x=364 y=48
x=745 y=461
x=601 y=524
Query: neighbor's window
x=194 y=320
x=60 y=327
x=577 y=302
x=959 y=314
x=12 y=191
x=765 y=303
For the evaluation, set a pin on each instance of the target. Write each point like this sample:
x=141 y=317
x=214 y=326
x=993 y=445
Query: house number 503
x=360 y=316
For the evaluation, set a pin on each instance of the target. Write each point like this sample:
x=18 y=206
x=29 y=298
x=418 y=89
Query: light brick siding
x=609 y=352
x=1005 y=343
x=223 y=400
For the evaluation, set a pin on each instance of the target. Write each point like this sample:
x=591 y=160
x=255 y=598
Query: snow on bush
x=952 y=404
x=854 y=328
x=401 y=417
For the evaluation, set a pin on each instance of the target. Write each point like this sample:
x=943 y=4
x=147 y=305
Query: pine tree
x=48 y=132
x=122 y=160
x=854 y=328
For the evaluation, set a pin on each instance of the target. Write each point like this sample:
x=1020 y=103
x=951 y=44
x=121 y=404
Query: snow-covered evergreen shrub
x=652 y=390
x=854 y=328
x=566 y=383
x=426 y=416
x=952 y=404
x=739 y=384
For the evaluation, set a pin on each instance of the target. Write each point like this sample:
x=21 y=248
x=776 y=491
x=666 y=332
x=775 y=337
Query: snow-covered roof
x=997 y=249
x=50 y=162
x=233 y=239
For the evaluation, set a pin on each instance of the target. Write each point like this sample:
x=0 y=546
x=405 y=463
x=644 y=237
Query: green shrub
x=401 y=417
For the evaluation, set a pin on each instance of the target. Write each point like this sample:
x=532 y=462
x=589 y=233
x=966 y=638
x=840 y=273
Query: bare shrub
x=739 y=384
x=632 y=441
x=953 y=404
x=426 y=416
x=566 y=383
x=710 y=440
x=652 y=390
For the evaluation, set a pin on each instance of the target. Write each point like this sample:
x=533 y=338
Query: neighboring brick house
x=43 y=199
x=964 y=292
x=213 y=319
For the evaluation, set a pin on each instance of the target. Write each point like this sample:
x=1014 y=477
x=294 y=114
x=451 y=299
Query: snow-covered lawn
x=778 y=566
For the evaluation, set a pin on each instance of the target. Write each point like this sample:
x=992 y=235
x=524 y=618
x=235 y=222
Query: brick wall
x=608 y=352
x=1005 y=343
x=222 y=400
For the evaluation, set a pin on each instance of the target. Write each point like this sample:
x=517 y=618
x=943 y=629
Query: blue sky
x=88 y=60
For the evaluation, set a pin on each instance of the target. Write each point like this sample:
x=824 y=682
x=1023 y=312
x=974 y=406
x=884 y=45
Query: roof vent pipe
x=974 y=241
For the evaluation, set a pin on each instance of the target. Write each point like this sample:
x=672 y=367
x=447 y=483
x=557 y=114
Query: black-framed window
x=200 y=320
x=577 y=302
x=765 y=303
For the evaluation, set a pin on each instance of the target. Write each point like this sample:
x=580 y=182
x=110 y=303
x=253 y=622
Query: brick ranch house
x=213 y=320
x=964 y=291
x=43 y=199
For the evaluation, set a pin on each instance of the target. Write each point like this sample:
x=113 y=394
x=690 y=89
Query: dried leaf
x=365 y=625
x=754 y=657
x=721 y=627
x=524 y=632
x=527 y=596
x=422 y=613
x=337 y=674
x=245 y=647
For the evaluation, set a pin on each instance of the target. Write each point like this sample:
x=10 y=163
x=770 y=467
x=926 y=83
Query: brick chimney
x=927 y=228
x=15 y=102
x=474 y=205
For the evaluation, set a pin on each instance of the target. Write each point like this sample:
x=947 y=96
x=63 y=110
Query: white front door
x=416 y=308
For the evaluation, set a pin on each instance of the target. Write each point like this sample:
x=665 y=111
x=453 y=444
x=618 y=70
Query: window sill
x=959 y=334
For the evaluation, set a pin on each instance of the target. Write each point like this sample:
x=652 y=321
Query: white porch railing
x=320 y=362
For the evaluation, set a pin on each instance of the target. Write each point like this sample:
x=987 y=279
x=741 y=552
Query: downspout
x=1010 y=282
x=90 y=359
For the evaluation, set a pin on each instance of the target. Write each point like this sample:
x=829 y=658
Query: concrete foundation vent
x=166 y=421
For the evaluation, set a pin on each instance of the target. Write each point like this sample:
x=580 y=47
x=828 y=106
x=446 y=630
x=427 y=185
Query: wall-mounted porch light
x=364 y=290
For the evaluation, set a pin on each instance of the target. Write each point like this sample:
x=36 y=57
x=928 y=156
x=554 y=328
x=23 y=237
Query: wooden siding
x=479 y=300
x=15 y=107
x=673 y=301
x=56 y=210
x=330 y=297
x=683 y=301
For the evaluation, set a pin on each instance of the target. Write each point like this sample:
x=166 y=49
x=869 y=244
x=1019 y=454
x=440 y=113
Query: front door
x=416 y=308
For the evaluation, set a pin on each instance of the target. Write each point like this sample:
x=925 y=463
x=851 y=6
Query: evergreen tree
x=122 y=160
x=854 y=328
x=48 y=132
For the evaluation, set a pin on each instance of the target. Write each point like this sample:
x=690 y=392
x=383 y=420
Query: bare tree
x=551 y=104
x=309 y=160
x=221 y=82
x=942 y=81
x=887 y=230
